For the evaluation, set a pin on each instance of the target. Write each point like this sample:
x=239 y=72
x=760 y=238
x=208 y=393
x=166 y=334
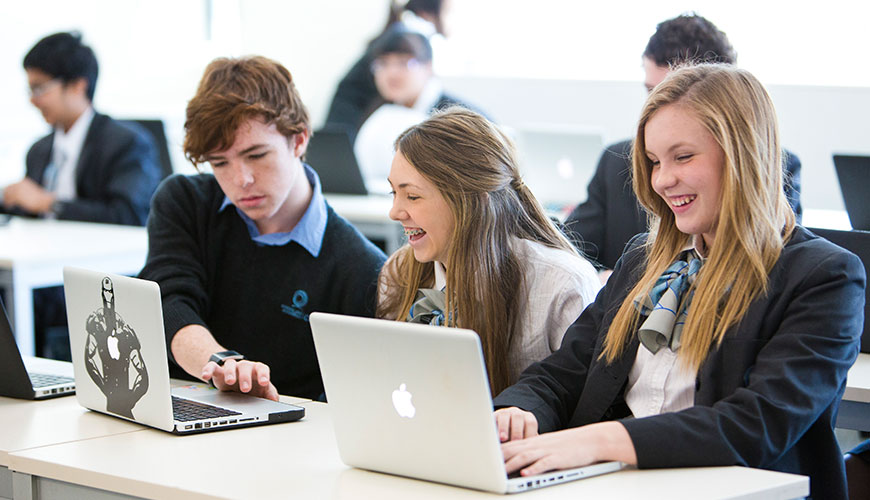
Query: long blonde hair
x=755 y=219
x=473 y=165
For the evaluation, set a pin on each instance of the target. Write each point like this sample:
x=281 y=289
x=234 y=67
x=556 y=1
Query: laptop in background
x=853 y=172
x=330 y=154
x=558 y=161
x=121 y=365
x=30 y=377
x=414 y=400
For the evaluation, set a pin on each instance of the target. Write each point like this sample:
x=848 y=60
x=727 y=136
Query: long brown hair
x=473 y=165
x=755 y=219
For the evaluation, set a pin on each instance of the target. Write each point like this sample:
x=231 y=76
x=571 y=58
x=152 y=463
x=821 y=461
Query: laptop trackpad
x=232 y=400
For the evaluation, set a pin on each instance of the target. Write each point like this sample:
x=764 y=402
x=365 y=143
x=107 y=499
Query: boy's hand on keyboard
x=249 y=377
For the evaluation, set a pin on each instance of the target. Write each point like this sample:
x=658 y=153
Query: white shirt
x=659 y=383
x=558 y=286
x=60 y=177
x=374 y=142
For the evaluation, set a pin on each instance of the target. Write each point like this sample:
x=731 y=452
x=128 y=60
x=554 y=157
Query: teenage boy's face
x=50 y=96
x=260 y=172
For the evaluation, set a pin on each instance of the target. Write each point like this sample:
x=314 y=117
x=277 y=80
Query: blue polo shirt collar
x=310 y=229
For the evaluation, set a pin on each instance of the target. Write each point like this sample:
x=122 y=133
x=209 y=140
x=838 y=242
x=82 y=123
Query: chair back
x=857 y=242
x=158 y=133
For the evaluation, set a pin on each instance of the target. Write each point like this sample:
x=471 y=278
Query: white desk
x=300 y=460
x=34 y=424
x=855 y=407
x=371 y=215
x=33 y=253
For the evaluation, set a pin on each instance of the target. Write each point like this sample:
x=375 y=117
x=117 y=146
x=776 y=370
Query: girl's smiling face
x=421 y=209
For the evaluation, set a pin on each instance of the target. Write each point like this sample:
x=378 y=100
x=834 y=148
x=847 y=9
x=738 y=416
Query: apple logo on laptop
x=402 y=402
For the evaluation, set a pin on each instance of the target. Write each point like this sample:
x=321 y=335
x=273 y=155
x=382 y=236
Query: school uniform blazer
x=117 y=172
x=767 y=397
x=611 y=215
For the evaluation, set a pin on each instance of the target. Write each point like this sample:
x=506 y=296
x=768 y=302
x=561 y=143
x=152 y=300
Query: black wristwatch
x=221 y=357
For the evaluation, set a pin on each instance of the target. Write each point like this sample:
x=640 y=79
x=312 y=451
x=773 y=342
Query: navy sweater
x=254 y=299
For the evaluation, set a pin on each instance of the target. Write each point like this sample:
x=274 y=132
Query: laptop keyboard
x=45 y=380
x=186 y=410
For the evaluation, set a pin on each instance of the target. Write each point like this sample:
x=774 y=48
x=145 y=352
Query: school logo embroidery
x=300 y=299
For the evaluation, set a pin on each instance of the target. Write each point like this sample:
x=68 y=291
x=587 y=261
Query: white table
x=33 y=424
x=300 y=460
x=33 y=253
x=371 y=215
x=855 y=406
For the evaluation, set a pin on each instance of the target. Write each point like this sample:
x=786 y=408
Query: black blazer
x=767 y=397
x=611 y=215
x=117 y=172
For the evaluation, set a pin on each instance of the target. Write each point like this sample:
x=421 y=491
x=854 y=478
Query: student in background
x=90 y=168
x=603 y=224
x=245 y=255
x=402 y=66
x=725 y=335
x=356 y=96
x=481 y=252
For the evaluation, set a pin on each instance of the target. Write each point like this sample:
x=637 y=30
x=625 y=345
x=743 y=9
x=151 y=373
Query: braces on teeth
x=413 y=232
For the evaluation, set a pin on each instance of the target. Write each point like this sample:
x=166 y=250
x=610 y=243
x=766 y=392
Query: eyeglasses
x=396 y=62
x=44 y=87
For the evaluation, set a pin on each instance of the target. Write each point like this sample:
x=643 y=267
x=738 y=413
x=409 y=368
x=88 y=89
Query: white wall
x=152 y=54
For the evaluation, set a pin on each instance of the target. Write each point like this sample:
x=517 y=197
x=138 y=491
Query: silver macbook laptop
x=30 y=377
x=414 y=400
x=121 y=366
x=557 y=162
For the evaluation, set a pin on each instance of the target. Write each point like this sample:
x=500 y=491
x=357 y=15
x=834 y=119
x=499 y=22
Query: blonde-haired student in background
x=725 y=335
x=481 y=253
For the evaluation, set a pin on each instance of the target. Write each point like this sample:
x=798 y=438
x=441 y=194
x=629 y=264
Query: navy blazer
x=767 y=397
x=117 y=173
x=611 y=215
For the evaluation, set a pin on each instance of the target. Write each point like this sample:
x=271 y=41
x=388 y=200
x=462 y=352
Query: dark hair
x=398 y=40
x=689 y=38
x=418 y=7
x=65 y=57
x=234 y=90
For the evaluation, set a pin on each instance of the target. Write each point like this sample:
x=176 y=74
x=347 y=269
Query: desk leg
x=22 y=486
x=5 y=483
